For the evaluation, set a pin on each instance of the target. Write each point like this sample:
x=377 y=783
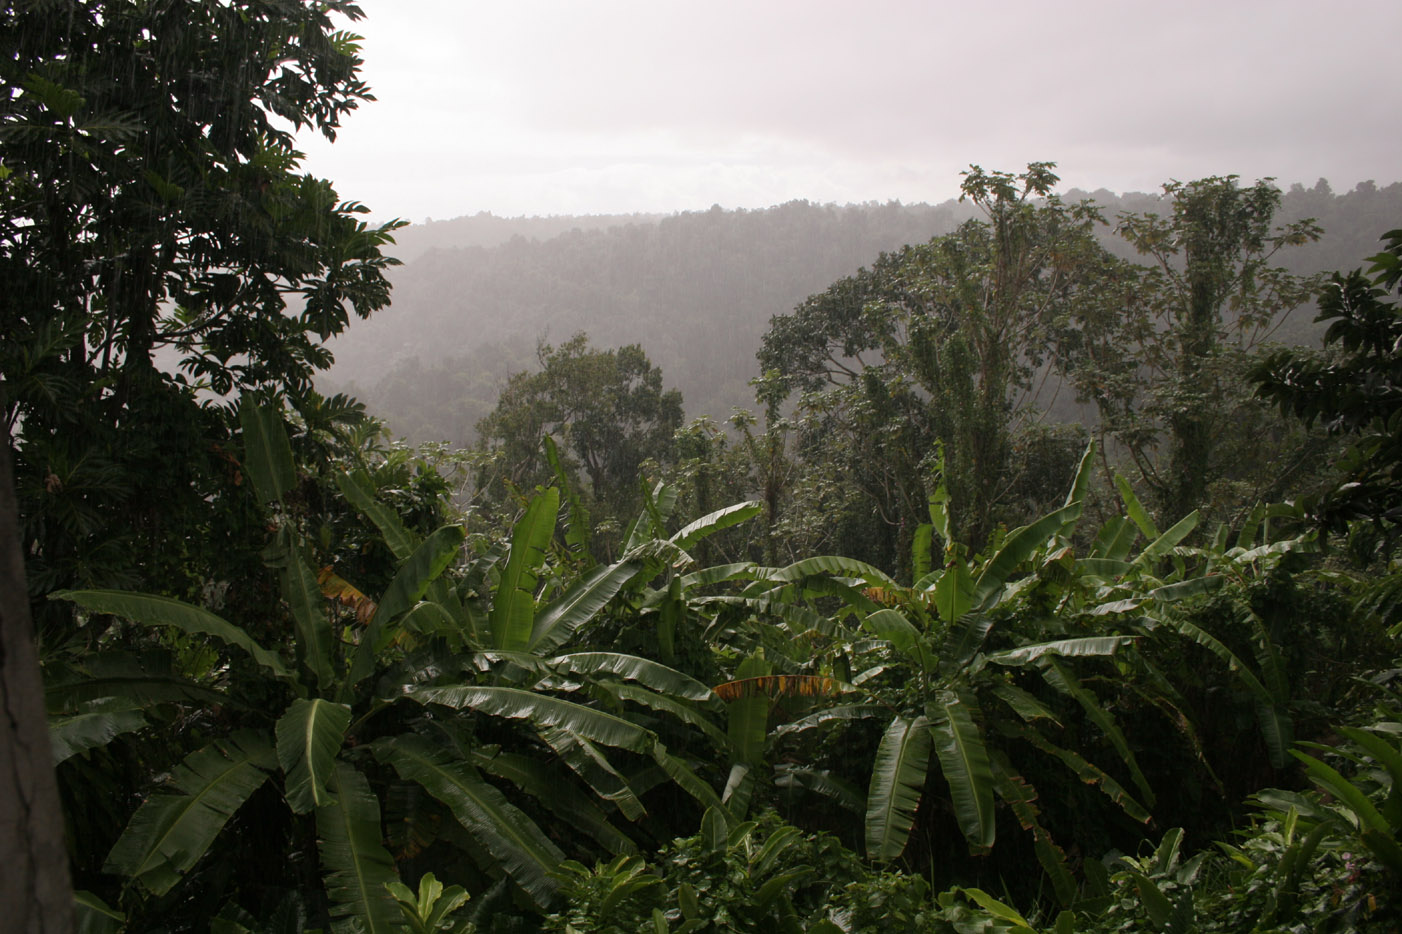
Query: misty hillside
x=696 y=290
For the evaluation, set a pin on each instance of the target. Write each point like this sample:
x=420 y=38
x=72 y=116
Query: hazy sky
x=571 y=107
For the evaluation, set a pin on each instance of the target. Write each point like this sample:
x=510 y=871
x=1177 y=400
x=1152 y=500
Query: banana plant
x=347 y=665
x=306 y=741
x=951 y=665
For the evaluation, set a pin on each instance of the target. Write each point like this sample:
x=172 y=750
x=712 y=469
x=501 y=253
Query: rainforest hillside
x=697 y=290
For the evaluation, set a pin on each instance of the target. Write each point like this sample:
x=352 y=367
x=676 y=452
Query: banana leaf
x=309 y=736
x=552 y=787
x=963 y=759
x=171 y=831
x=1020 y=545
x=359 y=489
x=588 y=762
x=152 y=610
x=713 y=522
x=97 y=723
x=316 y=643
x=357 y=867
x=897 y=782
x=542 y=711
x=267 y=454
x=580 y=603
x=512 y=838
x=513 y=604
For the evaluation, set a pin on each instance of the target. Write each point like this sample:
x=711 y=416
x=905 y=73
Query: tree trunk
x=36 y=896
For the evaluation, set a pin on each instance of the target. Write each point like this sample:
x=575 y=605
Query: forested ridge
x=695 y=290
x=893 y=647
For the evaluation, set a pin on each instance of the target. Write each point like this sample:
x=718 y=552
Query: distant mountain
x=697 y=290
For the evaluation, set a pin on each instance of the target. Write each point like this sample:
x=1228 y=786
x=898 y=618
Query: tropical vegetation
x=894 y=652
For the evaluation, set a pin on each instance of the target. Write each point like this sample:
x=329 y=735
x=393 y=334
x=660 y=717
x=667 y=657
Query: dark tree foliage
x=1163 y=365
x=1353 y=389
x=159 y=249
x=606 y=408
x=944 y=342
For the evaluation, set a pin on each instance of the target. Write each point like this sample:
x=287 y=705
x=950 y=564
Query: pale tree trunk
x=36 y=896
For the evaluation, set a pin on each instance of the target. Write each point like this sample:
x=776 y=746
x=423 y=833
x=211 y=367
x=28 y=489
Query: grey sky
x=562 y=107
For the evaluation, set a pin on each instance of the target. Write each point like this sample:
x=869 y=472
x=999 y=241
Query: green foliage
x=153 y=216
x=939 y=342
x=751 y=876
x=1164 y=362
x=1352 y=391
x=607 y=407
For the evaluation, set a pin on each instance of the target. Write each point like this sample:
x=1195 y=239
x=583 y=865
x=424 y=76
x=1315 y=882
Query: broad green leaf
x=1021 y=798
x=829 y=715
x=578 y=526
x=939 y=500
x=593 y=767
x=550 y=786
x=316 y=642
x=1275 y=721
x=920 y=554
x=963 y=759
x=1086 y=771
x=832 y=566
x=1155 y=903
x=685 y=778
x=646 y=672
x=1183 y=590
x=151 y=610
x=1135 y=509
x=94 y=916
x=267 y=452
x=901 y=633
x=1114 y=541
x=418 y=571
x=359 y=489
x=410 y=583
x=1066 y=648
x=357 y=868
x=662 y=703
x=1061 y=678
x=1167 y=541
x=714 y=522
x=1107 y=569
x=1081 y=483
x=1023 y=704
x=513 y=604
x=897 y=781
x=95 y=724
x=1381 y=751
x=747 y=717
x=720 y=573
x=1020 y=545
x=579 y=604
x=171 y=831
x=954 y=593
x=512 y=838
x=822 y=782
x=997 y=909
x=542 y=711
x=309 y=736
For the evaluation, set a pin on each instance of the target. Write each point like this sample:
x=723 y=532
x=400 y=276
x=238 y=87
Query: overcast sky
x=570 y=107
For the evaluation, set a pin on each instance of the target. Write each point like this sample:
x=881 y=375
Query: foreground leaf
x=357 y=866
x=170 y=832
x=152 y=610
x=897 y=781
x=309 y=735
x=511 y=837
